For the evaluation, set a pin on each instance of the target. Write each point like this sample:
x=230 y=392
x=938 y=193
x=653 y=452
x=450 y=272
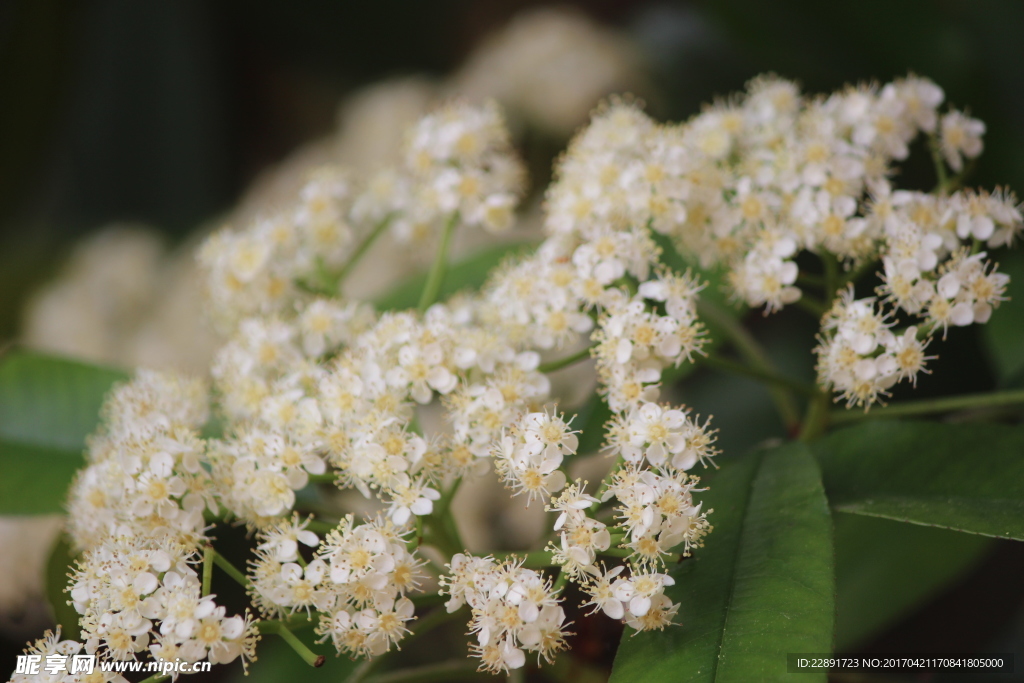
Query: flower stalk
x=435 y=278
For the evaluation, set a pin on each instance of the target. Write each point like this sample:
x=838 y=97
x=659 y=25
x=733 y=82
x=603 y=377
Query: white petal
x=528 y=611
x=639 y=605
x=613 y=608
x=422 y=506
x=145 y=583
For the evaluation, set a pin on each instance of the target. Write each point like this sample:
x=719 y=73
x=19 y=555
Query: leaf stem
x=451 y=670
x=437 y=271
x=755 y=355
x=308 y=656
x=831 y=265
x=339 y=277
x=812 y=280
x=320 y=527
x=560 y=581
x=726 y=365
x=441 y=530
x=813 y=306
x=230 y=569
x=208 y=552
x=934 y=405
x=539 y=559
x=582 y=354
x=445 y=503
x=816 y=418
x=297 y=621
x=155 y=678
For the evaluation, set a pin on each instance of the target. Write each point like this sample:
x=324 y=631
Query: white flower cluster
x=144 y=475
x=639 y=600
x=601 y=261
x=369 y=571
x=656 y=512
x=51 y=645
x=349 y=403
x=262 y=269
x=312 y=388
x=514 y=609
x=357 y=581
x=928 y=272
x=460 y=160
x=529 y=458
x=747 y=186
x=635 y=343
x=281 y=582
x=862 y=358
x=582 y=537
x=125 y=587
x=136 y=512
x=459 y=167
x=664 y=436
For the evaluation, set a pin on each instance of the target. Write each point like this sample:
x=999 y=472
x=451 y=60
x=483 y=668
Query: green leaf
x=591 y=421
x=48 y=406
x=763 y=585
x=885 y=569
x=51 y=401
x=469 y=273
x=1002 y=334
x=58 y=566
x=34 y=479
x=964 y=477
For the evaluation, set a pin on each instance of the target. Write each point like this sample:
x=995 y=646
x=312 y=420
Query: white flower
x=961 y=137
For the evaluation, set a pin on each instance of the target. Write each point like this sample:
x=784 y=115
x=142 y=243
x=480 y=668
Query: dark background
x=163 y=112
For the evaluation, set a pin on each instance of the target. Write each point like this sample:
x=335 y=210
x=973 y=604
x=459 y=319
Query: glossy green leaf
x=34 y=479
x=58 y=566
x=51 y=401
x=964 y=477
x=48 y=406
x=468 y=273
x=885 y=569
x=761 y=587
